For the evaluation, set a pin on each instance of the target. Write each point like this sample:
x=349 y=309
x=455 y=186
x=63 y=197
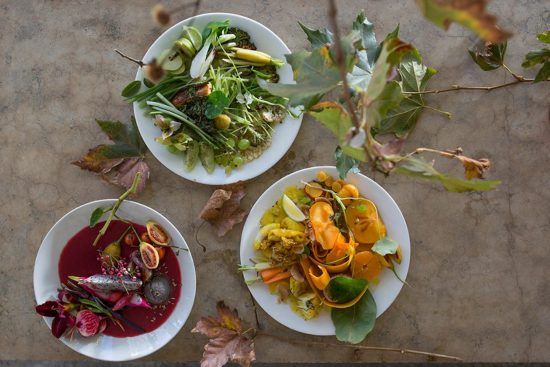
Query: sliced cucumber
x=181 y=70
x=193 y=35
x=173 y=63
x=164 y=55
x=186 y=47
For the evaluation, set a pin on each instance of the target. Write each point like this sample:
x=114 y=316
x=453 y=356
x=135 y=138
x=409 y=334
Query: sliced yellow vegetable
x=319 y=281
x=366 y=266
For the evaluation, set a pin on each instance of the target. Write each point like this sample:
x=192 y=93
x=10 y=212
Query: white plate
x=384 y=292
x=46 y=282
x=284 y=133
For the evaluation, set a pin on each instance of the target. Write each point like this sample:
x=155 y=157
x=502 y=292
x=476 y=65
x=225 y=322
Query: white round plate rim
x=283 y=136
x=92 y=347
x=384 y=293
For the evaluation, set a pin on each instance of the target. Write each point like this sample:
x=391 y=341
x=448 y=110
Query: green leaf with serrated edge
x=345 y=164
x=536 y=57
x=471 y=14
x=544 y=73
x=315 y=76
x=354 y=323
x=419 y=168
x=216 y=102
x=385 y=246
x=96 y=215
x=389 y=99
x=317 y=37
x=544 y=37
x=488 y=57
x=368 y=37
x=342 y=289
x=392 y=52
x=413 y=75
x=131 y=89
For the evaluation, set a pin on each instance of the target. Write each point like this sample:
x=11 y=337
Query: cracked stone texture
x=479 y=275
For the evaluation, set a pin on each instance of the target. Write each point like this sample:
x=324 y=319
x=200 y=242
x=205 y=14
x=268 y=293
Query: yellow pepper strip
x=306 y=264
x=321 y=281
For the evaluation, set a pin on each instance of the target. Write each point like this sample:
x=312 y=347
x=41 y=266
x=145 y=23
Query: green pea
x=230 y=142
x=237 y=161
x=243 y=144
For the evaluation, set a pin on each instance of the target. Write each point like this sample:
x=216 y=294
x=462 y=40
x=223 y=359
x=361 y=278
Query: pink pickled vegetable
x=87 y=323
x=131 y=300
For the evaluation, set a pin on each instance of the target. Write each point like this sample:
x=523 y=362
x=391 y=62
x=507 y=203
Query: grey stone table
x=480 y=280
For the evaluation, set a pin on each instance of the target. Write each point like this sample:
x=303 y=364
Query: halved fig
x=149 y=255
x=157 y=234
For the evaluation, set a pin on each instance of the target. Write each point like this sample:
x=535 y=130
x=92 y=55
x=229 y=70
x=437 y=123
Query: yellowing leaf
x=471 y=14
x=227 y=341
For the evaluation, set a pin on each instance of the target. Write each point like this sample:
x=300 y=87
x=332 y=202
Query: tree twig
x=459 y=87
x=340 y=61
x=139 y=62
x=516 y=76
x=364 y=347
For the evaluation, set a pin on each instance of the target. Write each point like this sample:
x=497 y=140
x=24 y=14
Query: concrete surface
x=480 y=280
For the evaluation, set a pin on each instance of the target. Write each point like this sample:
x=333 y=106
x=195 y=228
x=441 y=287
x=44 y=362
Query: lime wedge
x=292 y=210
x=193 y=35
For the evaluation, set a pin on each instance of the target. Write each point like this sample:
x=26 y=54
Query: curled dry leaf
x=471 y=14
x=228 y=342
x=119 y=162
x=222 y=210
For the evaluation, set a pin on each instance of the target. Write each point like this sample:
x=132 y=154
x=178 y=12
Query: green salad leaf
x=342 y=289
x=217 y=102
x=385 y=246
x=96 y=216
x=354 y=323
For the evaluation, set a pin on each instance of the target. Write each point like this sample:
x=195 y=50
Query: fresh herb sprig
x=98 y=212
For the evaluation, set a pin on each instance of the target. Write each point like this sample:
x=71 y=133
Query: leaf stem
x=516 y=76
x=364 y=347
x=131 y=190
x=340 y=61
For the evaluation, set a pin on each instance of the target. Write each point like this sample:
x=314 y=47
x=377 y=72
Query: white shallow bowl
x=384 y=293
x=107 y=348
x=283 y=135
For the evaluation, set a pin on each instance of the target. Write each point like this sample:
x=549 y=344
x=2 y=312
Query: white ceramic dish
x=46 y=282
x=384 y=293
x=283 y=135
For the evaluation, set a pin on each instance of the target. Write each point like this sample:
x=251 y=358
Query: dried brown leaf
x=223 y=209
x=227 y=341
x=96 y=162
x=126 y=171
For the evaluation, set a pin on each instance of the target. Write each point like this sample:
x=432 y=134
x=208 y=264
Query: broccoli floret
x=242 y=39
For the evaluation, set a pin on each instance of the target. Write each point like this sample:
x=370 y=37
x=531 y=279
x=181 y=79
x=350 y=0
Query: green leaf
x=148 y=83
x=131 y=89
x=345 y=164
x=354 y=323
x=127 y=140
x=471 y=14
x=544 y=73
x=393 y=50
x=385 y=246
x=317 y=37
x=419 y=168
x=96 y=215
x=489 y=57
x=389 y=99
x=342 y=289
x=315 y=74
x=413 y=75
x=536 y=57
x=216 y=103
x=544 y=37
x=368 y=37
